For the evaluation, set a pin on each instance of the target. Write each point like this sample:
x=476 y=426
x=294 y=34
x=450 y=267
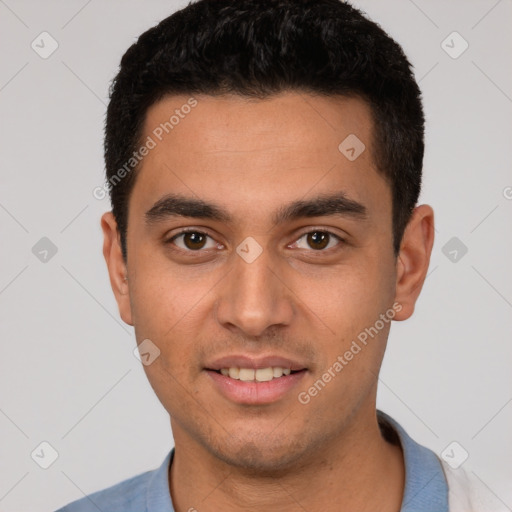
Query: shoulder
x=126 y=496
x=467 y=493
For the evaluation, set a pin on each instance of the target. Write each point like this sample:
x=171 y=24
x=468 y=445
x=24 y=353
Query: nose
x=255 y=296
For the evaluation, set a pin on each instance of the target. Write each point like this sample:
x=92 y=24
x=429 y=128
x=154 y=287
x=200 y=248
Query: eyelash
x=170 y=241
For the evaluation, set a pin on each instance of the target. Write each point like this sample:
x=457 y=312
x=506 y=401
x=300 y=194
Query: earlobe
x=116 y=265
x=413 y=259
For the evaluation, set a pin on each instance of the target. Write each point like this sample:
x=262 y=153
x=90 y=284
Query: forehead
x=250 y=155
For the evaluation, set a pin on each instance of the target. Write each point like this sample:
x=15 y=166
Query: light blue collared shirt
x=425 y=490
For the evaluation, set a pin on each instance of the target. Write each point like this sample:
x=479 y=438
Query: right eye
x=192 y=241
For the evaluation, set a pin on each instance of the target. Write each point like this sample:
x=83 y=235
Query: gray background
x=67 y=372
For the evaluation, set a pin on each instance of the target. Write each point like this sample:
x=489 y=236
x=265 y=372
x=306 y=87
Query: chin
x=262 y=457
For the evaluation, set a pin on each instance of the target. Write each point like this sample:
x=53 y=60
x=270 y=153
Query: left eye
x=317 y=240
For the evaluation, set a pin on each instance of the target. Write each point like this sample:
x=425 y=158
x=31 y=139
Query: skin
x=252 y=157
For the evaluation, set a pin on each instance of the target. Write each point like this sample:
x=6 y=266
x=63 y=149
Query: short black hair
x=258 y=48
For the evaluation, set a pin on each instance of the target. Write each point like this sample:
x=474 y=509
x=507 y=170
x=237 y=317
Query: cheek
x=352 y=297
x=165 y=298
x=173 y=390
x=163 y=321
x=350 y=305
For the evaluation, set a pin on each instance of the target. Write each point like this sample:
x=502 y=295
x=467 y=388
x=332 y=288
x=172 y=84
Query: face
x=257 y=248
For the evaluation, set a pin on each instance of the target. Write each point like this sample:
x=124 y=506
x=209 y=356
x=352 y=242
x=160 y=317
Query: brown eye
x=192 y=241
x=318 y=240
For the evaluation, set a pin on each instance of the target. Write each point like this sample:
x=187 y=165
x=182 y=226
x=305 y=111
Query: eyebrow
x=334 y=204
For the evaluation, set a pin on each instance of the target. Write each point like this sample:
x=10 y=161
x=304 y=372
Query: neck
x=359 y=470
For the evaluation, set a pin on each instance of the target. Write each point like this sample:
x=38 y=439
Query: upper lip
x=244 y=361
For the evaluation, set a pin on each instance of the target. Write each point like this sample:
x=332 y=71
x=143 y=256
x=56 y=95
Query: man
x=264 y=163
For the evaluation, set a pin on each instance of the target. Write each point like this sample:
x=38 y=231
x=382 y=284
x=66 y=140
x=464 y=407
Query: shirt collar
x=426 y=488
x=158 y=494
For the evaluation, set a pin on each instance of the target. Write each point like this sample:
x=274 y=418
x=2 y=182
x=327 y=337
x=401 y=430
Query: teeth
x=277 y=372
x=234 y=373
x=259 y=375
x=246 y=374
x=264 y=374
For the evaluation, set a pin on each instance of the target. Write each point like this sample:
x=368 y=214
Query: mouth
x=249 y=381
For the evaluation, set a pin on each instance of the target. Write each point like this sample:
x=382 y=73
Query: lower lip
x=255 y=393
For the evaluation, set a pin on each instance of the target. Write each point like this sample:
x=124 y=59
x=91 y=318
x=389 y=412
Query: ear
x=413 y=259
x=116 y=265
